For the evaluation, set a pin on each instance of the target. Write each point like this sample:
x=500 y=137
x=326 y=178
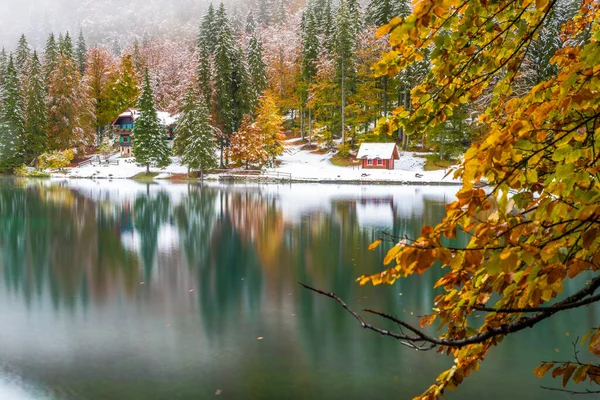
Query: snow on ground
x=302 y=165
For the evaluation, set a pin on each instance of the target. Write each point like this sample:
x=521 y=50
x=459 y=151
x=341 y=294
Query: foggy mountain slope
x=103 y=21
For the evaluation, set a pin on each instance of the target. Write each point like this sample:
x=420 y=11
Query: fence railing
x=97 y=161
x=254 y=175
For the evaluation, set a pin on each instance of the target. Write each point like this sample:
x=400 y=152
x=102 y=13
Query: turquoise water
x=118 y=290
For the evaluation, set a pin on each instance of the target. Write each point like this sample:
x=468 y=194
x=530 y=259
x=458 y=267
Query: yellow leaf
x=594 y=346
x=541 y=4
x=392 y=253
x=375 y=244
x=541 y=370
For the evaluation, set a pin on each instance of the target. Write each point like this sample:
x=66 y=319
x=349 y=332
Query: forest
x=315 y=62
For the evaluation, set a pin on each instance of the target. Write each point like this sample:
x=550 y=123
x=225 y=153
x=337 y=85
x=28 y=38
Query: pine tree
x=257 y=68
x=209 y=30
x=223 y=73
x=380 y=12
x=280 y=14
x=194 y=140
x=237 y=19
x=149 y=144
x=81 y=52
x=265 y=8
x=22 y=57
x=310 y=56
x=65 y=46
x=206 y=49
x=50 y=55
x=250 y=26
x=12 y=140
x=346 y=30
x=138 y=62
x=35 y=111
x=3 y=65
x=241 y=87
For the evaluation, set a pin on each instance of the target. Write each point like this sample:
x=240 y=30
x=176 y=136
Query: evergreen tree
x=50 y=54
x=81 y=52
x=280 y=13
x=3 y=65
x=250 y=26
x=265 y=8
x=138 y=62
x=310 y=56
x=241 y=87
x=65 y=46
x=149 y=144
x=12 y=139
x=35 y=111
x=194 y=140
x=223 y=73
x=380 y=12
x=346 y=30
x=257 y=68
x=237 y=19
x=209 y=29
x=22 y=57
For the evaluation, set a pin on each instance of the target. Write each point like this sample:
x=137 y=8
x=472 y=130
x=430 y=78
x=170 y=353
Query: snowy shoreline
x=299 y=165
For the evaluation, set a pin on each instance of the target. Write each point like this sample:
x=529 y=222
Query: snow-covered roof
x=378 y=150
x=164 y=117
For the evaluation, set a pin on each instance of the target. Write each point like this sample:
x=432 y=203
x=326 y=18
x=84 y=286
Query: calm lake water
x=118 y=290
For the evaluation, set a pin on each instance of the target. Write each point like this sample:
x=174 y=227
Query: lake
x=120 y=290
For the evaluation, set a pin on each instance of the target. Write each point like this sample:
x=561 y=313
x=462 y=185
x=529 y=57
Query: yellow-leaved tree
x=530 y=199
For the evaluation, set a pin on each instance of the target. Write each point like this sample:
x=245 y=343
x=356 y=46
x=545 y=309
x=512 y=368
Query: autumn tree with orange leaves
x=530 y=198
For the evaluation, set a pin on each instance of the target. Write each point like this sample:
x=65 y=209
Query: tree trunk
x=147 y=169
x=310 y=127
x=343 y=102
x=385 y=96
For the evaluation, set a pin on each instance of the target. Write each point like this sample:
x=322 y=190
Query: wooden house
x=378 y=155
x=123 y=128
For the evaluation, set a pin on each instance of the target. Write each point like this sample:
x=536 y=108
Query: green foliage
x=194 y=140
x=12 y=128
x=36 y=119
x=149 y=139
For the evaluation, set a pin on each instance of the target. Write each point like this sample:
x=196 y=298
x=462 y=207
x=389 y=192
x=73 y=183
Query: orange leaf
x=375 y=244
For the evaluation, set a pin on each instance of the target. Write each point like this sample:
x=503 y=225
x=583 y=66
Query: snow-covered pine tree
x=237 y=18
x=548 y=42
x=380 y=12
x=280 y=12
x=50 y=54
x=36 y=137
x=310 y=54
x=241 y=87
x=81 y=52
x=250 y=26
x=346 y=31
x=3 y=64
x=12 y=140
x=65 y=46
x=149 y=144
x=264 y=12
x=138 y=62
x=225 y=56
x=22 y=57
x=194 y=140
x=257 y=69
x=209 y=29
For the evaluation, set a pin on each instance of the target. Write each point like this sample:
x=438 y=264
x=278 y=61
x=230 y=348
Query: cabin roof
x=164 y=117
x=383 y=151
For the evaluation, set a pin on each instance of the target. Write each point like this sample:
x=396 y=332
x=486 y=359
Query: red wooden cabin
x=378 y=155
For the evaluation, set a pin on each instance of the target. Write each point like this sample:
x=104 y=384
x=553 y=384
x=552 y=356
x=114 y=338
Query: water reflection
x=121 y=290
